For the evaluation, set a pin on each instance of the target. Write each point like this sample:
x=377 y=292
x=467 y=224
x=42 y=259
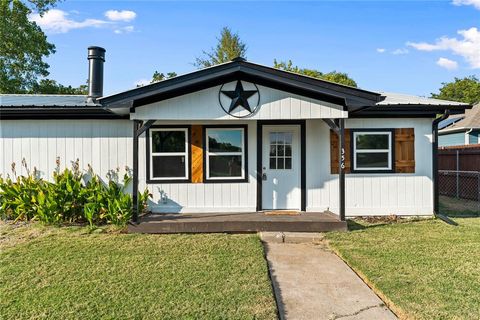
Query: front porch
x=237 y=222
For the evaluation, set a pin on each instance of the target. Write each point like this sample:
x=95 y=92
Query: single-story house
x=239 y=137
x=460 y=130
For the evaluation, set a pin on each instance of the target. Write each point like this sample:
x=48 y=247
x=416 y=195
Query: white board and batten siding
x=204 y=197
x=371 y=194
x=104 y=144
x=107 y=145
x=273 y=104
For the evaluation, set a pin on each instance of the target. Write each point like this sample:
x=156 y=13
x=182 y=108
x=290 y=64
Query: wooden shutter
x=405 y=150
x=197 y=153
x=334 y=152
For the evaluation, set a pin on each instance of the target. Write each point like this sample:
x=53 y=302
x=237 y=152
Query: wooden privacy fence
x=459 y=172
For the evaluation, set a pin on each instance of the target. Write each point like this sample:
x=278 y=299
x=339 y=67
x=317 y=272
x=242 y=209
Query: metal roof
x=392 y=99
x=44 y=100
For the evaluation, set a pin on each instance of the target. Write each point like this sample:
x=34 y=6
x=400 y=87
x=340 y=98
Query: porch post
x=136 y=126
x=341 y=168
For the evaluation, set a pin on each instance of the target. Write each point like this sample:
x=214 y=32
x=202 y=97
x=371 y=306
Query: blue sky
x=400 y=46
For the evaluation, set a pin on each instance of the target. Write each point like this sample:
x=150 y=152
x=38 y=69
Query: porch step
x=237 y=223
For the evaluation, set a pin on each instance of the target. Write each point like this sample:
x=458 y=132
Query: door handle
x=264 y=176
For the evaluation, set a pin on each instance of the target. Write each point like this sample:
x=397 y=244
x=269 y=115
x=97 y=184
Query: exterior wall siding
x=204 y=105
x=107 y=144
x=451 y=139
x=104 y=144
x=204 y=197
x=371 y=194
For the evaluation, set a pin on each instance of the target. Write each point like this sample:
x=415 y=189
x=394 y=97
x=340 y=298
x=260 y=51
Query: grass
x=72 y=273
x=423 y=269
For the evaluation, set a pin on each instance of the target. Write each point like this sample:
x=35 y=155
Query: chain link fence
x=459 y=191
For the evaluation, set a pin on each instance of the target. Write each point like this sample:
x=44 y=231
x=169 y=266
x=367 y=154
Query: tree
x=229 y=46
x=48 y=86
x=160 y=76
x=334 y=76
x=23 y=45
x=462 y=90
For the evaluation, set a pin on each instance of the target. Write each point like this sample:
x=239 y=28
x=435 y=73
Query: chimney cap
x=95 y=52
x=96 y=48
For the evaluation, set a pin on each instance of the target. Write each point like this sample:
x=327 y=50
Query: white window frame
x=389 y=150
x=167 y=154
x=208 y=153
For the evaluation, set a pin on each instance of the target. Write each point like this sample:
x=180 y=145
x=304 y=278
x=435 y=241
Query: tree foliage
x=23 y=45
x=229 y=46
x=48 y=86
x=334 y=76
x=461 y=89
x=157 y=76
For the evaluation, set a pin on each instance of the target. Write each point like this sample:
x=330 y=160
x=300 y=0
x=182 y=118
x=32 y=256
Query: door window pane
x=280 y=150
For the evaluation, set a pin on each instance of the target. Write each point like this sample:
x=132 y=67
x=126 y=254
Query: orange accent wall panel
x=197 y=153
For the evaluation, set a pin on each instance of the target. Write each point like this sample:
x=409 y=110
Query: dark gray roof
x=469 y=120
x=43 y=100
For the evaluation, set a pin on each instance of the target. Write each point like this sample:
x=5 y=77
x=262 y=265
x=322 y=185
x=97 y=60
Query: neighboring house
x=462 y=129
x=239 y=137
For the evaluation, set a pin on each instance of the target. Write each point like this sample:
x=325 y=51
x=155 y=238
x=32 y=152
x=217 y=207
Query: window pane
x=225 y=140
x=288 y=150
x=273 y=137
x=225 y=166
x=280 y=151
x=168 y=167
x=372 y=160
x=288 y=163
x=288 y=137
x=372 y=141
x=273 y=150
x=273 y=163
x=168 y=141
x=280 y=163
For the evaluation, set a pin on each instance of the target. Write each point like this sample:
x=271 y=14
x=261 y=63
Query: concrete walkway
x=311 y=282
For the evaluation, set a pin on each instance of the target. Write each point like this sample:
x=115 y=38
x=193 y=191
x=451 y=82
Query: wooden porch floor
x=237 y=223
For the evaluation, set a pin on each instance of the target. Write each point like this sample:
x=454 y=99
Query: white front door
x=281 y=168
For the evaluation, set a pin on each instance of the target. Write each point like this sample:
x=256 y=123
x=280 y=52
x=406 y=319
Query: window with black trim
x=225 y=152
x=169 y=154
x=372 y=150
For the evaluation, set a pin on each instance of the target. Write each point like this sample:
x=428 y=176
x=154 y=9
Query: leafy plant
x=71 y=197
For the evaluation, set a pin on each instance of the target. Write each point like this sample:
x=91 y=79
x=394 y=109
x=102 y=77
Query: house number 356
x=342 y=158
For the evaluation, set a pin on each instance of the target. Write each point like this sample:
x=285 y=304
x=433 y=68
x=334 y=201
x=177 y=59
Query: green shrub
x=68 y=198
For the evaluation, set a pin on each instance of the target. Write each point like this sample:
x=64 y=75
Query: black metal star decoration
x=239 y=97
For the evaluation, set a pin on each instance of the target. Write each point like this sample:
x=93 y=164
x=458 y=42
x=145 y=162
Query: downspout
x=435 y=123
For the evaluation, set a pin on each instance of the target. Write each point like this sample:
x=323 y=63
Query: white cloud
x=57 y=21
x=447 y=63
x=468 y=47
x=475 y=3
x=400 y=51
x=126 y=29
x=142 y=82
x=380 y=50
x=124 y=15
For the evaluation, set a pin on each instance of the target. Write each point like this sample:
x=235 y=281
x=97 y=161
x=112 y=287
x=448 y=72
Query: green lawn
x=70 y=273
x=424 y=269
